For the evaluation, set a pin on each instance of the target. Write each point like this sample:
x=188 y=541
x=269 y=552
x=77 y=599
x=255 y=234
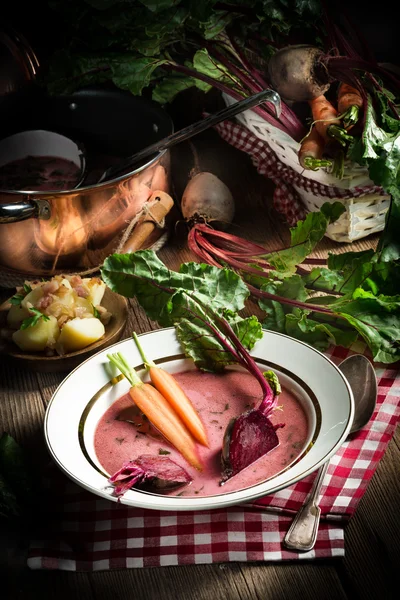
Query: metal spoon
x=194 y=129
x=361 y=376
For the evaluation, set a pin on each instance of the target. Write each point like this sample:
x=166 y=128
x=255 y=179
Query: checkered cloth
x=87 y=533
x=286 y=200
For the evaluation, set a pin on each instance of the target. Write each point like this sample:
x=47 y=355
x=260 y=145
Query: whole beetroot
x=299 y=73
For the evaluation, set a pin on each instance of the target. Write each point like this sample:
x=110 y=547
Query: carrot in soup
x=159 y=412
x=167 y=385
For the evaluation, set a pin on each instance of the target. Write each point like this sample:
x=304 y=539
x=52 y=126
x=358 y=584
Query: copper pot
x=45 y=233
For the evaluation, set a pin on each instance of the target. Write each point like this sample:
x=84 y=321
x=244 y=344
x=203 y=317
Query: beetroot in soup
x=39 y=173
x=218 y=398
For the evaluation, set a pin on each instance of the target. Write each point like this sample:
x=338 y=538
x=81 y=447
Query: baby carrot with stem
x=311 y=152
x=326 y=120
x=350 y=101
x=167 y=385
x=159 y=412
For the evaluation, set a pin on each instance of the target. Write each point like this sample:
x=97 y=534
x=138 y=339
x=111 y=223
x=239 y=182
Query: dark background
x=376 y=21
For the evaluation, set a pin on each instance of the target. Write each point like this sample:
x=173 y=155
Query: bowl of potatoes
x=54 y=325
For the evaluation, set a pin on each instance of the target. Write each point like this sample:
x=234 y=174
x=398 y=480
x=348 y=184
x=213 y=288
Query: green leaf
x=206 y=351
x=34 y=319
x=151 y=47
x=389 y=242
x=204 y=63
x=166 y=90
x=141 y=274
x=275 y=319
x=158 y=5
x=389 y=122
x=216 y=24
x=96 y=313
x=291 y=287
x=17 y=299
x=380 y=151
x=318 y=334
x=273 y=381
x=350 y=270
x=372 y=136
x=14 y=466
x=304 y=236
x=353 y=269
x=167 y=25
x=323 y=279
x=133 y=73
x=385 y=277
x=199 y=301
x=377 y=319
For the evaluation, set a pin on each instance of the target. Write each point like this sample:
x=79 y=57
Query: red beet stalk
x=215 y=248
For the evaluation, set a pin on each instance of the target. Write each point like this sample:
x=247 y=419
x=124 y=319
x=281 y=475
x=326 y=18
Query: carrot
x=324 y=115
x=311 y=152
x=159 y=412
x=326 y=120
x=350 y=101
x=167 y=385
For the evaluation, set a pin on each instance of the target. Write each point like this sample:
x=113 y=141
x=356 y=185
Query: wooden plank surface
x=369 y=569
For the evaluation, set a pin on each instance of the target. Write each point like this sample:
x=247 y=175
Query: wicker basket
x=366 y=204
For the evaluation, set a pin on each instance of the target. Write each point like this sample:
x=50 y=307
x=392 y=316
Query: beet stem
x=203 y=244
x=239 y=352
x=247 y=65
x=252 y=85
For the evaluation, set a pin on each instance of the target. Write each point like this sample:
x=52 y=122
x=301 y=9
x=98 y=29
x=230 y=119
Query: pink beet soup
x=39 y=173
x=218 y=398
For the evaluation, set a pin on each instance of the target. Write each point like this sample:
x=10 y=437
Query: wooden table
x=370 y=567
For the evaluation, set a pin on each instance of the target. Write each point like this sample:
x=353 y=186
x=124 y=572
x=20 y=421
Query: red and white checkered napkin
x=86 y=533
x=286 y=200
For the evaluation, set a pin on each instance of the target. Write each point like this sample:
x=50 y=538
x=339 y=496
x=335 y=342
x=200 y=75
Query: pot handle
x=161 y=203
x=24 y=209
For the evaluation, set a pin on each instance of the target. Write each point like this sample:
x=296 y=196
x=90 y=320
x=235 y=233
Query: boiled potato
x=84 y=304
x=32 y=297
x=96 y=289
x=65 y=296
x=66 y=282
x=79 y=333
x=37 y=337
x=16 y=315
x=71 y=303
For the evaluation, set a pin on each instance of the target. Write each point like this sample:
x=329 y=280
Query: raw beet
x=298 y=73
x=157 y=473
x=246 y=439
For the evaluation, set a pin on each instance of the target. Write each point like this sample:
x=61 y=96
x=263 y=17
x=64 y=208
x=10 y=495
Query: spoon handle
x=302 y=533
x=195 y=128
